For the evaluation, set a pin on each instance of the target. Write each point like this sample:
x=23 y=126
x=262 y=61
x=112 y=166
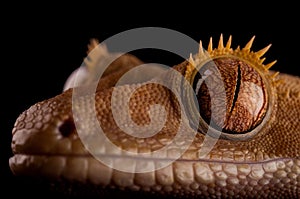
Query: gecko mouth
x=37 y=148
x=84 y=168
x=141 y=158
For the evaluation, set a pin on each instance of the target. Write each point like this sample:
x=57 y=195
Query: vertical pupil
x=198 y=77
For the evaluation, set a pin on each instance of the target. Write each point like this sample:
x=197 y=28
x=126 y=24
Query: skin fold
x=46 y=144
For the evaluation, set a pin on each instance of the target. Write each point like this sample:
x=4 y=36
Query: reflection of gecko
x=256 y=155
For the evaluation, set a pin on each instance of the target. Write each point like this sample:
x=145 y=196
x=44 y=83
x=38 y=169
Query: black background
x=42 y=47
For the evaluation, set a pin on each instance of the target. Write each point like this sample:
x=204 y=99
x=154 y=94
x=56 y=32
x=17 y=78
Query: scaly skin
x=268 y=165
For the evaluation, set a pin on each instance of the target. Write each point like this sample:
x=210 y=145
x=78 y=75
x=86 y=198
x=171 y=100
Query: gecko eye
x=233 y=92
x=237 y=93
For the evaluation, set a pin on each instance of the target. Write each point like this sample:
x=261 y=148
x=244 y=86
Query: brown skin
x=45 y=144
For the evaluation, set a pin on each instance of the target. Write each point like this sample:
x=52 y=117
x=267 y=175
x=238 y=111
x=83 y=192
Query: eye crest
x=253 y=91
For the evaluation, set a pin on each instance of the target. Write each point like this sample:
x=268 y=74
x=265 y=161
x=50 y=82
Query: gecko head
x=233 y=96
x=235 y=91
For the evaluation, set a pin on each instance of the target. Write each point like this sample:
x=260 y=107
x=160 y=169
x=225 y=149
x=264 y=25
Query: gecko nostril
x=67 y=128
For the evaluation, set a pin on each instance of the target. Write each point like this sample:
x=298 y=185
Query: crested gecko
x=253 y=124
